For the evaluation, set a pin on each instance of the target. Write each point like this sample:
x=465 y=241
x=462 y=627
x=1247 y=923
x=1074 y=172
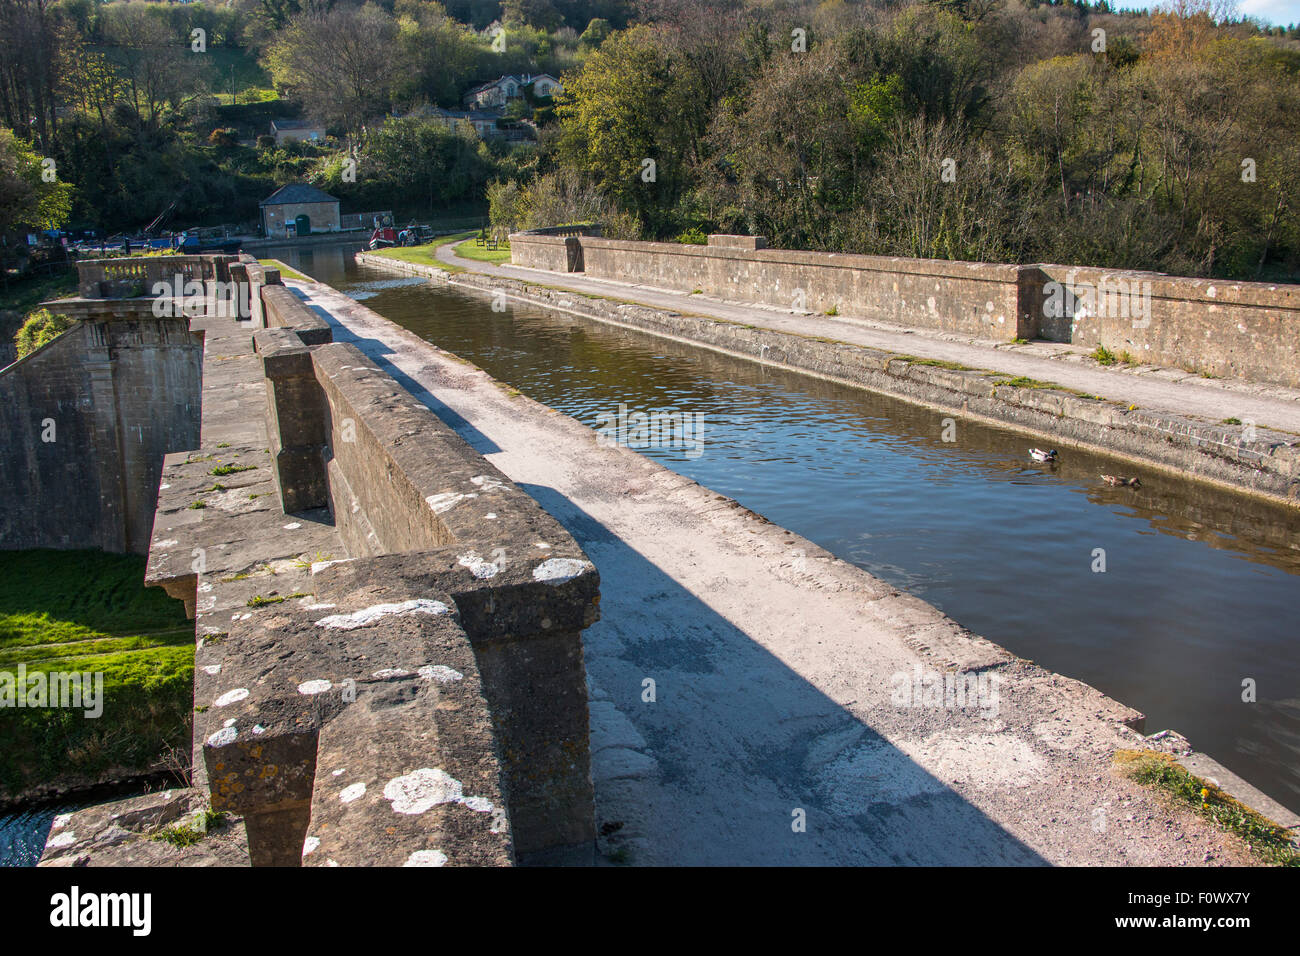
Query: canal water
x=1197 y=600
x=23 y=832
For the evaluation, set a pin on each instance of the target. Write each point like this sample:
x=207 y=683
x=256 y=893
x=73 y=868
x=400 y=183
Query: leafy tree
x=596 y=33
x=617 y=118
x=26 y=198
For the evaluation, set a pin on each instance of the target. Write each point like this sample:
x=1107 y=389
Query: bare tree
x=341 y=63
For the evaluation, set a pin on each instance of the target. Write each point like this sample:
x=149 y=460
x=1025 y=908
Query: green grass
x=427 y=255
x=1020 y=381
x=497 y=256
x=285 y=271
x=935 y=363
x=193 y=831
x=417 y=255
x=22 y=296
x=260 y=601
x=1268 y=840
x=87 y=611
x=1104 y=356
x=222 y=470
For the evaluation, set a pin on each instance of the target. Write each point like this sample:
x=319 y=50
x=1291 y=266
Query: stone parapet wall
x=422 y=651
x=136 y=275
x=555 y=253
x=281 y=309
x=1244 y=330
x=974 y=298
x=401 y=481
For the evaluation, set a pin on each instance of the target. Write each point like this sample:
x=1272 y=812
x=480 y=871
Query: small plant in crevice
x=262 y=601
x=1268 y=840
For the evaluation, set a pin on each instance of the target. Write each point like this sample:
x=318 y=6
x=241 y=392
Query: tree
x=29 y=41
x=147 y=55
x=596 y=33
x=619 y=125
x=342 y=64
x=1050 y=106
x=26 y=198
x=972 y=215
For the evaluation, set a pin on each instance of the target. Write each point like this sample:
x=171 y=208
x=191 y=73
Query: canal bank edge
x=941 y=642
x=1267 y=467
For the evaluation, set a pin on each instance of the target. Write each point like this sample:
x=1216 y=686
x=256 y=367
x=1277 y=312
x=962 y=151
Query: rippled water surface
x=1200 y=587
x=23 y=832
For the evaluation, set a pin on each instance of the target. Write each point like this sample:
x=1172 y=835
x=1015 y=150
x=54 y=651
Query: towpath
x=1172 y=391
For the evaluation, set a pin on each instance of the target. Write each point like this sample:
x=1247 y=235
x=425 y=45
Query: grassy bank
x=21 y=296
x=497 y=256
x=86 y=611
x=426 y=255
x=285 y=271
x=1267 y=840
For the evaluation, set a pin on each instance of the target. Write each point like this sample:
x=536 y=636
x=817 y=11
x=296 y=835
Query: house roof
x=523 y=79
x=295 y=124
x=296 y=193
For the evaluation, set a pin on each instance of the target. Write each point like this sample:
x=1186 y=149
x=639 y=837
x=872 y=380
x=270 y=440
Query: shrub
x=41 y=327
x=227 y=136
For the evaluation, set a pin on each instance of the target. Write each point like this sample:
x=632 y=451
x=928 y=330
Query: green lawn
x=285 y=271
x=86 y=611
x=497 y=256
x=425 y=255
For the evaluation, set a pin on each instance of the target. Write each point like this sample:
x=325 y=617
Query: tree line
x=959 y=130
x=1007 y=130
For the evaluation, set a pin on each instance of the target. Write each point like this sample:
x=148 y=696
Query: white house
x=502 y=90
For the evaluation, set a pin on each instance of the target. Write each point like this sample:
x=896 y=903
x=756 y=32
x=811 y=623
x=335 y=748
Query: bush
x=266 y=141
x=507 y=205
x=692 y=237
x=41 y=328
x=224 y=137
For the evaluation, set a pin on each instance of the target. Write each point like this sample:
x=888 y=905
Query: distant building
x=293 y=131
x=502 y=90
x=546 y=85
x=488 y=124
x=482 y=122
x=303 y=207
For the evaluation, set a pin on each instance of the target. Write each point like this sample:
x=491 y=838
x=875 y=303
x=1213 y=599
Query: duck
x=1119 y=481
x=1039 y=455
